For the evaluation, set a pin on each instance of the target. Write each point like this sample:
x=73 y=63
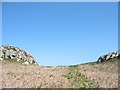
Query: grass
x=48 y=66
x=114 y=60
x=40 y=86
x=13 y=61
x=77 y=80
x=7 y=60
x=73 y=65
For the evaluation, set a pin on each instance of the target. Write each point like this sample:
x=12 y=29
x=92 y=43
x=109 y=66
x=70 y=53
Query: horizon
x=60 y=65
x=61 y=33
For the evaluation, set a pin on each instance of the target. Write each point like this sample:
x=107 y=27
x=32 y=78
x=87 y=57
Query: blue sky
x=61 y=33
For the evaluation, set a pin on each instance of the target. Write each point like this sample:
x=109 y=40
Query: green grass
x=40 y=86
x=7 y=60
x=73 y=65
x=48 y=66
x=13 y=61
x=77 y=80
x=68 y=76
x=113 y=61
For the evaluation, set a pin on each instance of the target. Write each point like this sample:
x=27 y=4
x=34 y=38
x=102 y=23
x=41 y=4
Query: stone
x=1 y=59
x=109 y=56
x=18 y=60
x=26 y=63
x=16 y=53
x=113 y=55
x=101 y=59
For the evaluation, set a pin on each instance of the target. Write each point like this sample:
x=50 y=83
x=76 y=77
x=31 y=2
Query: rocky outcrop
x=109 y=56
x=15 y=53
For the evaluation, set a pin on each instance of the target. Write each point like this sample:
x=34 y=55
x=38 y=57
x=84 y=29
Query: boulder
x=1 y=59
x=109 y=56
x=26 y=63
x=16 y=53
x=1 y=53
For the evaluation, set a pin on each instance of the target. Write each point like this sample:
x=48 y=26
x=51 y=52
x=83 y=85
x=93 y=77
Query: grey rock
x=1 y=49
x=16 y=53
x=27 y=63
x=18 y=60
x=109 y=56
x=1 y=59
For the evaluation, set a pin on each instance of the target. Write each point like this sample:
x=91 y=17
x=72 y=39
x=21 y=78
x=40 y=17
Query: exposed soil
x=105 y=75
x=21 y=76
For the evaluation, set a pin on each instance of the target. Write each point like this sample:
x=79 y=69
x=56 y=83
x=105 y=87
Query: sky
x=61 y=33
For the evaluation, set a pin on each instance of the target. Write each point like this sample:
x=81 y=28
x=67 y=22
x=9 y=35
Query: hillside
x=89 y=75
x=15 y=54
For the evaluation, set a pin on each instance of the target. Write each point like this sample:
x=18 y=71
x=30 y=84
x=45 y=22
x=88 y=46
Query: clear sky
x=62 y=33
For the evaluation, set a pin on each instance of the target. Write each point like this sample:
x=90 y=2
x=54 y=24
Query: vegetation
x=7 y=60
x=13 y=61
x=77 y=80
x=113 y=60
x=39 y=86
x=49 y=66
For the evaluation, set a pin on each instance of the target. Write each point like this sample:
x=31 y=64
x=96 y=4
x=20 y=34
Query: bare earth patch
x=104 y=75
x=22 y=76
